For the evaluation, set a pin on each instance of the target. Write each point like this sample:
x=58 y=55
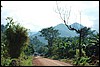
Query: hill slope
x=65 y=32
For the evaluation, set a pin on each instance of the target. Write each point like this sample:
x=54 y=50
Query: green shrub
x=5 y=61
x=83 y=61
x=26 y=61
x=21 y=61
x=71 y=53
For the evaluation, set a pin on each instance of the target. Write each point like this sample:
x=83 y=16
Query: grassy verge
x=5 y=61
x=21 y=61
x=26 y=61
x=70 y=61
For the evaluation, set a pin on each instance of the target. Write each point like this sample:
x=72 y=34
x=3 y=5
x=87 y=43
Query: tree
x=49 y=34
x=17 y=38
x=86 y=32
x=64 y=16
x=64 y=47
x=92 y=47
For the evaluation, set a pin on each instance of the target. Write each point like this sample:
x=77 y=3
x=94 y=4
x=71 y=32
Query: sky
x=36 y=15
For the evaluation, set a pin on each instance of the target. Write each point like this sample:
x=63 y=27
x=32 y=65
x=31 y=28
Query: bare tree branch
x=69 y=26
x=64 y=18
x=59 y=9
x=69 y=15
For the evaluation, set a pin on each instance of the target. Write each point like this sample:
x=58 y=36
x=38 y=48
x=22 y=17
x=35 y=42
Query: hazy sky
x=36 y=15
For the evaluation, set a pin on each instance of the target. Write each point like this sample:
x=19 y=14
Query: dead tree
x=65 y=16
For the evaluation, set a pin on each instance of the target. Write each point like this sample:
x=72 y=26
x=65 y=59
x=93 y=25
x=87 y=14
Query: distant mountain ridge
x=65 y=32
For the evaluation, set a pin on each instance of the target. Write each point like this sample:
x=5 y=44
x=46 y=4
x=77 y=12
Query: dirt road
x=39 y=61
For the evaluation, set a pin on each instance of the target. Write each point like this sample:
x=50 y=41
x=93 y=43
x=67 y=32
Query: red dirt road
x=39 y=61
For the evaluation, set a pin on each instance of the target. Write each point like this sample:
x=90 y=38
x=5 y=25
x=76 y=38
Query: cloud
x=40 y=14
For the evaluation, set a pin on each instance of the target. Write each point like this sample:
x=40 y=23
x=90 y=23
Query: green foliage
x=43 y=50
x=36 y=43
x=21 y=61
x=71 y=53
x=4 y=45
x=4 y=49
x=55 y=57
x=14 y=40
x=77 y=53
x=29 y=50
x=85 y=32
x=64 y=47
x=5 y=61
x=26 y=61
x=50 y=34
x=63 y=60
x=67 y=47
x=83 y=61
x=17 y=38
x=70 y=61
x=92 y=46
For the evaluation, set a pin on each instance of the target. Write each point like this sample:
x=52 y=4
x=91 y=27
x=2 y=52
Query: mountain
x=31 y=33
x=42 y=39
x=65 y=32
x=77 y=25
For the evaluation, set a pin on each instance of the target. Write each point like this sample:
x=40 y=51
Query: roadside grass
x=26 y=61
x=81 y=62
x=70 y=61
x=5 y=61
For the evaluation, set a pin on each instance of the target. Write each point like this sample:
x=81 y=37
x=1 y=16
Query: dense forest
x=68 y=47
x=18 y=47
x=15 y=43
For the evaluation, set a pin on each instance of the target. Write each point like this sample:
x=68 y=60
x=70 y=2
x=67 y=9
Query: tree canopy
x=17 y=38
x=49 y=34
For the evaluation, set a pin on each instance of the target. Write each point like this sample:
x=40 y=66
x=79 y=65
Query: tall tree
x=65 y=15
x=17 y=38
x=49 y=34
